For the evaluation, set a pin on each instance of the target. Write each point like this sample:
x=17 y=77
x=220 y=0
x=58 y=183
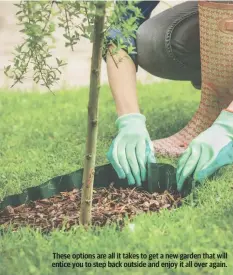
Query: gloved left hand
x=208 y=152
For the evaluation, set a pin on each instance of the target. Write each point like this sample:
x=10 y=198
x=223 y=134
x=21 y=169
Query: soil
x=110 y=205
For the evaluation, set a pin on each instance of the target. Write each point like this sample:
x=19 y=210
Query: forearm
x=230 y=107
x=122 y=81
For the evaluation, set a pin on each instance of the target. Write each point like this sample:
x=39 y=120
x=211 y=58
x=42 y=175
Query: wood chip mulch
x=110 y=205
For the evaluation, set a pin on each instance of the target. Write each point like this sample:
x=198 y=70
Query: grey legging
x=168 y=44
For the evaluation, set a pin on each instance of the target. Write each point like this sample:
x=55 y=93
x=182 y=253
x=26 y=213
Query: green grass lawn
x=42 y=136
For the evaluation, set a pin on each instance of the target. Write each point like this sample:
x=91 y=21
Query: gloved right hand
x=132 y=149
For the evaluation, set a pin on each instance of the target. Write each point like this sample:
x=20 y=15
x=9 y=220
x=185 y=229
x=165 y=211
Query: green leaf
x=36 y=79
x=6 y=69
x=63 y=64
x=18 y=49
x=59 y=62
x=67 y=44
x=66 y=36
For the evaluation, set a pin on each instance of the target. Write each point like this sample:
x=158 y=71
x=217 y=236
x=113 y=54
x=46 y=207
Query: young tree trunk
x=92 y=130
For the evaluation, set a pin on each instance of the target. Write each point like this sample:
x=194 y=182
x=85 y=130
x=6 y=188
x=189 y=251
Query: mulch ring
x=110 y=205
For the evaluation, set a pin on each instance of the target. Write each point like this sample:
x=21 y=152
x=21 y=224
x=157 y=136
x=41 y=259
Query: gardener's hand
x=208 y=152
x=131 y=149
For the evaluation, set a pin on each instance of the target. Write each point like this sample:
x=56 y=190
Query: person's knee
x=172 y=54
x=168 y=43
x=184 y=43
x=151 y=53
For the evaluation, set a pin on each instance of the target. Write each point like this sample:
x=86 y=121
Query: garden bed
x=110 y=205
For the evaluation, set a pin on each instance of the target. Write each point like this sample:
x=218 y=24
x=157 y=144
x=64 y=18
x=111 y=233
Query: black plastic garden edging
x=160 y=177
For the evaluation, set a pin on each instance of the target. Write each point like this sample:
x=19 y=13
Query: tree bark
x=92 y=127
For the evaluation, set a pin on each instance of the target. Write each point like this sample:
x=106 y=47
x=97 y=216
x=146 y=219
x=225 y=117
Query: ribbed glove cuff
x=124 y=120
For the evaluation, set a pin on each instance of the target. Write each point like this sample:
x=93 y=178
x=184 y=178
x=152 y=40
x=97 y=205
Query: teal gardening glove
x=132 y=149
x=208 y=152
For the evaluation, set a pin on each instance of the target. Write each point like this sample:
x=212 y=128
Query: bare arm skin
x=122 y=81
x=230 y=107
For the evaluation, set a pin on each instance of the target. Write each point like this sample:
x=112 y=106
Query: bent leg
x=176 y=60
x=168 y=44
